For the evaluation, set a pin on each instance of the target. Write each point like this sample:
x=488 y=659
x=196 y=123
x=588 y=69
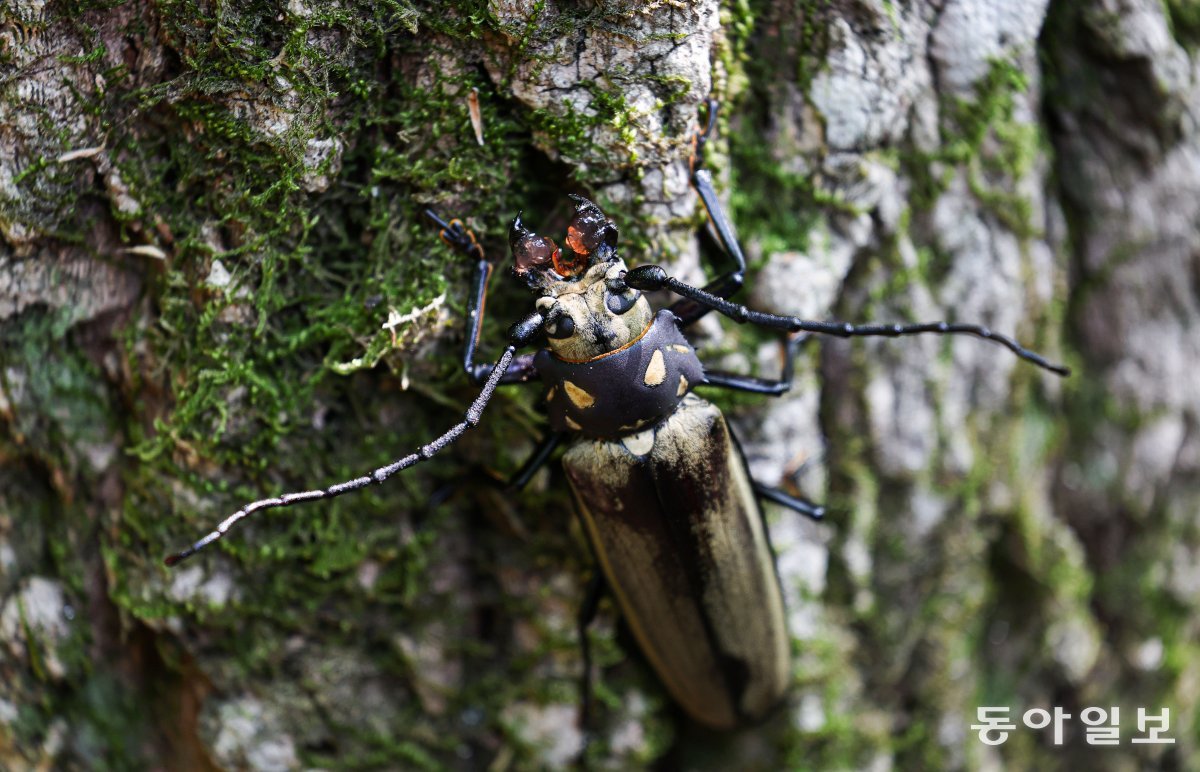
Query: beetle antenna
x=653 y=277
x=473 y=414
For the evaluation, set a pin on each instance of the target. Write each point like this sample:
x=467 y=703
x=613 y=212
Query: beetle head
x=588 y=311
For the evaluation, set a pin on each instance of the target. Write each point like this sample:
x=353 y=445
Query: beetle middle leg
x=766 y=386
x=771 y=388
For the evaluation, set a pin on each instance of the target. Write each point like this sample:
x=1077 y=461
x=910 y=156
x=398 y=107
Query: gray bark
x=216 y=284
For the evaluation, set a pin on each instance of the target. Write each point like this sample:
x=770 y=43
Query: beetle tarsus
x=457 y=235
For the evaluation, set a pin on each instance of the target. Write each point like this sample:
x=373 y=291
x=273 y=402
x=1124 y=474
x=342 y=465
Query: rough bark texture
x=215 y=284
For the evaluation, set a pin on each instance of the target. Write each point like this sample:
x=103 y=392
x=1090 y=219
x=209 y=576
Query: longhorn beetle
x=661 y=486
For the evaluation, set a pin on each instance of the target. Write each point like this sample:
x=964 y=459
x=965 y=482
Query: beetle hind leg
x=773 y=388
x=583 y=621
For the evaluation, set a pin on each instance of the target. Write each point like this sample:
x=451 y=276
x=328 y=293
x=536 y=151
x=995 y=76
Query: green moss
x=983 y=135
x=1184 y=16
x=774 y=198
x=61 y=425
x=236 y=374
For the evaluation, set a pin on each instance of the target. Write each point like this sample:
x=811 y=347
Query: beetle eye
x=560 y=326
x=619 y=303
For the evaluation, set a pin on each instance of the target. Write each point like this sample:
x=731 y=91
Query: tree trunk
x=217 y=284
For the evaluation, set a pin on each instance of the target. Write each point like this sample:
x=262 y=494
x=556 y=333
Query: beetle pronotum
x=661 y=487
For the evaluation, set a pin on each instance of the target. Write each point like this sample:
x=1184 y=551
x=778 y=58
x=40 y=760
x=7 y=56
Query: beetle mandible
x=659 y=482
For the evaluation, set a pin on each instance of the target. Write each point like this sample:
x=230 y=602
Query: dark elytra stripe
x=684 y=498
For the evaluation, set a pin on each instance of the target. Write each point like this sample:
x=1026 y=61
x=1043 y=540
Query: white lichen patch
x=972 y=34
x=629 y=738
x=803 y=284
x=8 y=711
x=1148 y=655
x=322 y=162
x=870 y=79
x=249 y=735
x=810 y=715
x=33 y=623
x=8 y=558
x=196 y=586
x=218 y=275
x=1074 y=643
x=551 y=730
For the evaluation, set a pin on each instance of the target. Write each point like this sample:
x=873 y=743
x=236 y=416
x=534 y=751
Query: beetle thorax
x=585 y=318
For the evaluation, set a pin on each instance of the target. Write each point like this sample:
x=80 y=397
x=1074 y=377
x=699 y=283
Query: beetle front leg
x=728 y=283
x=536 y=461
x=458 y=236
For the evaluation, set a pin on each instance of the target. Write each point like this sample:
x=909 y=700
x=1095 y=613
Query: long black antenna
x=653 y=277
x=472 y=417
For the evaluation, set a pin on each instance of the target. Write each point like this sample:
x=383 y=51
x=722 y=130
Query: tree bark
x=217 y=284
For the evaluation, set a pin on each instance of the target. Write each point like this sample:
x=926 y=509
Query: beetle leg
x=728 y=283
x=540 y=456
x=765 y=386
x=587 y=615
x=458 y=236
x=739 y=382
x=806 y=508
x=652 y=277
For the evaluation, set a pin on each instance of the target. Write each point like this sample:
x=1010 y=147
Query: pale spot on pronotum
x=579 y=398
x=550 y=394
x=679 y=348
x=639 y=444
x=656 y=372
x=683 y=387
x=572 y=424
